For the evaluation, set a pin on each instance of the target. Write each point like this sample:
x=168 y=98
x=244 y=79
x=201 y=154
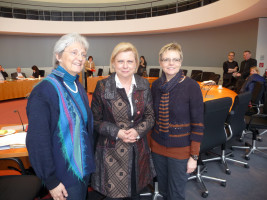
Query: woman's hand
x=59 y=192
x=191 y=165
x=132 y=135
x=128 y=136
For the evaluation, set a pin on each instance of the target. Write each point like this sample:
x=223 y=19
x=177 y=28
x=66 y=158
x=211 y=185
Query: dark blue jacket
x=248 y=86
x=42 y=140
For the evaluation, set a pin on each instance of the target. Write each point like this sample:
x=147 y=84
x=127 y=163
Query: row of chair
x=201 y=76
x=222 y=125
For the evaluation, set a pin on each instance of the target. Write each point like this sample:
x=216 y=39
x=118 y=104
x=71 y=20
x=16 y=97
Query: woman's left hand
x=131 y=135
x=191 y=165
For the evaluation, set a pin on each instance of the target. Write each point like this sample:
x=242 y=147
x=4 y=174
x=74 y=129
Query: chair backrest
x=184 y=71
x=100 y=72
x=206 y=76
x=264 y=110
x=236 y=118
x=196 y=74
x=216 y=78
x=42 y=73
x=257 y=93
x=154 y=72
x=215 y=114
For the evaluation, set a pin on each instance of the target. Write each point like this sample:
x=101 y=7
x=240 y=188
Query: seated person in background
x=35 y=73
x=248 y=86
x=18 y=74
x=3 y=74
x=230 y=67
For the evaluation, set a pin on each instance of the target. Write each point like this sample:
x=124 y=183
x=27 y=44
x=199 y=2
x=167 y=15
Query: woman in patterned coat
x=123 y=115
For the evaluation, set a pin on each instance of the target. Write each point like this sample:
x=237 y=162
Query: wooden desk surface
x=16 y=88
x=215 y=93
x=9 y=153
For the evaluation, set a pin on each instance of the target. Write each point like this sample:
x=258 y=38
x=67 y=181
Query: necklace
x=76 y=88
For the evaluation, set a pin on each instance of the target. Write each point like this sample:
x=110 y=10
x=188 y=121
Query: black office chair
x=16 y=186
x=206 y=76
x=196 y=75
x=256 y=102
x=100 y=72
x=257 y=96
x=42 y=73
x=235 y=125
x=154 y=72
x=216 y=78
x=254 y=123
x=215 y=114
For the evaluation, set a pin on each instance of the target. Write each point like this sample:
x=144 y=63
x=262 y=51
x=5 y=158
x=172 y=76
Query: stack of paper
x=16 y=127
x=17 y=140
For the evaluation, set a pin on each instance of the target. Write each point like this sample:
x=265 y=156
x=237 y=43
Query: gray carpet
x=243 y=183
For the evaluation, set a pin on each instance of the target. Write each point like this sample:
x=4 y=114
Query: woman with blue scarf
x=59 y=139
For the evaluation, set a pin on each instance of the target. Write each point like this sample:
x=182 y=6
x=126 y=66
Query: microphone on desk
x=16 y=111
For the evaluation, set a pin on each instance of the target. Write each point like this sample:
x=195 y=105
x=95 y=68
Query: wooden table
x=20 y=153
x=212 y=92
x=16 y=88
x=9 y=153
x=92 y=81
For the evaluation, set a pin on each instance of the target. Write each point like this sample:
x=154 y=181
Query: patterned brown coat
x=112 y=112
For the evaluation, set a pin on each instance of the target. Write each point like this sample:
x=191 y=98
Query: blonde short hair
x=255 y=68
x=171 y=47
x=123 y=47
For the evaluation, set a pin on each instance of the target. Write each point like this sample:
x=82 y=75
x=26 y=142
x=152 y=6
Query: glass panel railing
x=11 y=9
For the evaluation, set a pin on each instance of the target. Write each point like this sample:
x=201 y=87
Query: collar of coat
x=110 y=85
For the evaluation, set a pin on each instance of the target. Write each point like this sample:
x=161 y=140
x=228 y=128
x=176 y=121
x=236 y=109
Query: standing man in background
x=245 y=66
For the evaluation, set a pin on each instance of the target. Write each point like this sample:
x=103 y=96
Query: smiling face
x=171 y=63
x=125 y=64
x=72 y=58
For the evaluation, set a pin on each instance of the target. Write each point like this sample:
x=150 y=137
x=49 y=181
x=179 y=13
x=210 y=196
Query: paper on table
x=16 y=127
x=17 y=140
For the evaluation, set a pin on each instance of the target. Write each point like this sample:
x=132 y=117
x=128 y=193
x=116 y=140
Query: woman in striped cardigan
x=178 y=131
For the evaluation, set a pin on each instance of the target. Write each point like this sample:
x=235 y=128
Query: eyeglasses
x=168 y=60
x=231 y=55
x=77 y=53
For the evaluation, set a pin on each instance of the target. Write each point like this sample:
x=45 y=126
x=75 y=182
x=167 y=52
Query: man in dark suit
x=18 y=74
x=245 y=66
x=3 y=74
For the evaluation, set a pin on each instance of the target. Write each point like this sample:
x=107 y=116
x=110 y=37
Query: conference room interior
x=206 y=30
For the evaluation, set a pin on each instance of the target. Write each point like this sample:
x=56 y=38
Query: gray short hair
x=65 y=41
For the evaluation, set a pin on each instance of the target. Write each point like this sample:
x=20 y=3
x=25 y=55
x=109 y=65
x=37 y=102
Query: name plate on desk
x=209 y=96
